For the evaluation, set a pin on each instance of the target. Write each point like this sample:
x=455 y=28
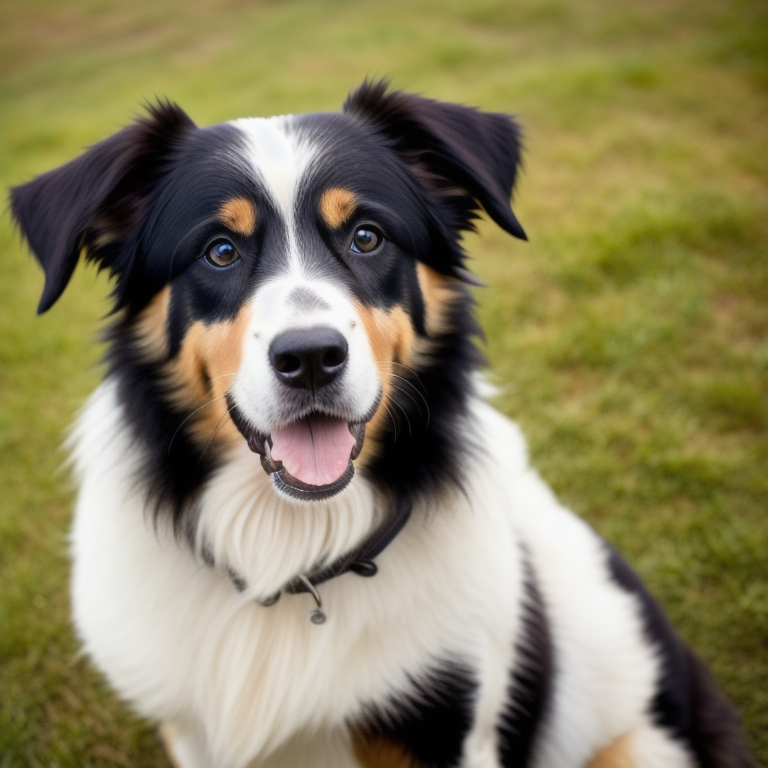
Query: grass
x=630 y=335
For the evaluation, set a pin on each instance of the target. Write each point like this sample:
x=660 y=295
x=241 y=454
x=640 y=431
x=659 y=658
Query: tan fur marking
x=405 y=337
x=337 y=206
x=239 y=215
x=151 y=333
x=390 y=334
x=393 y=343
x=204 y=370
x=380 y=753
x=439 y=291
x=618 y=754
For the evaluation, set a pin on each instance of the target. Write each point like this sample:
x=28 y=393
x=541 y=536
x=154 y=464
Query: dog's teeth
x=358 y=432
x=270 y=465
x=261 y=444
x=265 y=449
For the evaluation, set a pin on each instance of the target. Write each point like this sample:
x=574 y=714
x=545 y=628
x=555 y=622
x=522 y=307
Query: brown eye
x=221 y=254
x=366 y=240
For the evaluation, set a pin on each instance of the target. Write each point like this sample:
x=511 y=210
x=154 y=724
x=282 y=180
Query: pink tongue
x=314 y=450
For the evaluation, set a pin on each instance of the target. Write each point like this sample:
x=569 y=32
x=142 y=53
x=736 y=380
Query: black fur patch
x=686 y=703
x=175 y=468
x=431 y=719
x=531 y=681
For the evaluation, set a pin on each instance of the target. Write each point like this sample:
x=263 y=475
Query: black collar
x=359 y=561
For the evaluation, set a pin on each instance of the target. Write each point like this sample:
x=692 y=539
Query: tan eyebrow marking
x=336 y=206
x=239 y=215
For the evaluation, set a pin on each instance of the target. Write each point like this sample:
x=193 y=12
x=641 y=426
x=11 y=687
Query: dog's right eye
x=221 y=253
x=366 y=239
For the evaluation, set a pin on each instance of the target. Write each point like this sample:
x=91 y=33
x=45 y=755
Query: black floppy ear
x=94 y=201
x=458 y=153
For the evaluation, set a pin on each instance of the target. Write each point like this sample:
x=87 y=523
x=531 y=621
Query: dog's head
x=295 y=282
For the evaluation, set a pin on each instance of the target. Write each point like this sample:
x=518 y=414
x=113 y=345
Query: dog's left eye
x=221 y=254
x=366 y=240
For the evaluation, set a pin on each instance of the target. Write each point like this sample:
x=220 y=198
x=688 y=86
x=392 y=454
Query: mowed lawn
x=629 y=336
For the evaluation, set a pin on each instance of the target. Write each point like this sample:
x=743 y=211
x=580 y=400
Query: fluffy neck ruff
x=267 y=540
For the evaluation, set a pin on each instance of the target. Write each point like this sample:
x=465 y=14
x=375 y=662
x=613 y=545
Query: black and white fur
x=305 y=272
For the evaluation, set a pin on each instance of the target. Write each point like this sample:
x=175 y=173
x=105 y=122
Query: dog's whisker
x=190 y=416
x=197 y=410
x=405 y=415
x=394 y=421
x=213 y=435
x=408 y=368
x=411 y=385
x=416 y=390
x=384 y=366
x=413 y=400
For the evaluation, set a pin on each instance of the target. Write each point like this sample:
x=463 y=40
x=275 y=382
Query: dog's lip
x=261 y=444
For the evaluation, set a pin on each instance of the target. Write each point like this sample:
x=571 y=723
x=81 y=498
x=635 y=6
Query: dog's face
x=294 y=304
x=283 y=281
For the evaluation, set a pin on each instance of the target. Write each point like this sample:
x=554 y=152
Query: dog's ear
x=94 y=201
x=458 y=153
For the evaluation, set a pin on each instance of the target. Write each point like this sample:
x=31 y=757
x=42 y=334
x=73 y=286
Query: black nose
x=308 y=358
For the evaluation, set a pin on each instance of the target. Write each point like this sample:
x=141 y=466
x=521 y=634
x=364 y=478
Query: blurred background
x=629 y=336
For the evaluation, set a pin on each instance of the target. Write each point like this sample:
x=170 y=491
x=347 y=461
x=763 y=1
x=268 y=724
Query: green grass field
x=630 y=335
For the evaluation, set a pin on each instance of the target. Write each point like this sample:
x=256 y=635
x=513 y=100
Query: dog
x=303 y=537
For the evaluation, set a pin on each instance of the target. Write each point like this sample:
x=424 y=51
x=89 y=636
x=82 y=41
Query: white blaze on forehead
x=280 y=155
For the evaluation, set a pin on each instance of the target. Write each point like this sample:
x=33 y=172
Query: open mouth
x=311 y=458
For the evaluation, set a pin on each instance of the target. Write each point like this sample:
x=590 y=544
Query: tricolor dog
x=302 y=537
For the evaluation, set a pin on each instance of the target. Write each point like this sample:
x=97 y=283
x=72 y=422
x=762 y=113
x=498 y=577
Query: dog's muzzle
x=309 y=458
